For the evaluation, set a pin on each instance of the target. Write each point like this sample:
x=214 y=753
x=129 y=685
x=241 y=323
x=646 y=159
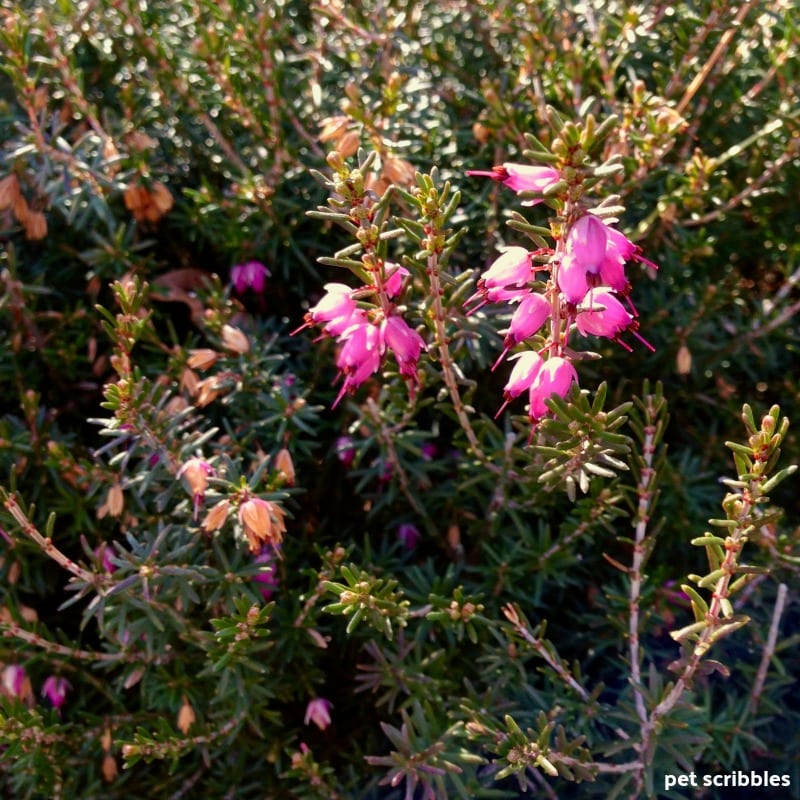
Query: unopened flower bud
x=196 y=471
x=333 y=128
x=9 y=192
x=109 y=768
x=285 y=466
x=349 y=143
x=186 y=717
x=202 y=359
x=233 y=339
x=318 y=711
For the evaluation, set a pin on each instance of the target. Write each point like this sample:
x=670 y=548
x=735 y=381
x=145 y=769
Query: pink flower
x=573 y=278
x=250 y=275
x=12 y=680
x=337 y=309
x=528 y=318
x=404 y=342
x=318 y=711
x=55 y=690
x=587 y=240
x=104 y=553
x=604 y=315
x=360 y=355
x=513 y=268
x=555 y=377
x=345 y=451
x=522 y=178
x=620 y=249
x=394 y=277
x=506 y=278
x=408 y=535
x=584 y=255
x=429 y=451
x=268 y=579
x=522 y=376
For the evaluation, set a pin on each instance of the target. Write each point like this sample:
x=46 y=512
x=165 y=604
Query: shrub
x=370 y=375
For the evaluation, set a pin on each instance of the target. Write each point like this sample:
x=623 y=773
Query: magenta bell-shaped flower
x=555 y=377
x=251 y=275
x=527 y=319
x=336 y=309
x=404 y=342
x=604 y=315
x=522 y=375
x=521 y=178
x=360 y=355
x=55 y=690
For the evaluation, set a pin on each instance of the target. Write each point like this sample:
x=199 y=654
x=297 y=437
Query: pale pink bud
x=55 y=690
x=554 y=378
x=235 y=340
x=404 y=342
x=12 y=680
x=186 y=716
x=318 y=711
x=250 y=275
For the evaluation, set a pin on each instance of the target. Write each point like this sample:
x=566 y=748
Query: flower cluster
x=250 y=275
x=367 y=330
x=15 y=683
x=586 y=289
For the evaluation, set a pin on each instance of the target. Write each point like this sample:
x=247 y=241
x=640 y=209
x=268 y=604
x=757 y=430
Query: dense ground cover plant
x=370 y=375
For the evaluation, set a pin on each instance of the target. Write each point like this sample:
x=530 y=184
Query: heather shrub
x=396 y=400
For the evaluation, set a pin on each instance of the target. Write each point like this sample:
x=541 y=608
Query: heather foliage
x=396 y=398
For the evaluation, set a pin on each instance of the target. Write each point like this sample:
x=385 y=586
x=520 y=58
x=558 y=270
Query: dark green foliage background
x=232 y=96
